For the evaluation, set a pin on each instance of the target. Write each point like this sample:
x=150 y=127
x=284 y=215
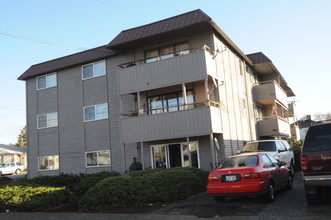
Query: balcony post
x=138 y=104
x=212 y=148
x=207 y=91
x=142 y=155
x=184 y=95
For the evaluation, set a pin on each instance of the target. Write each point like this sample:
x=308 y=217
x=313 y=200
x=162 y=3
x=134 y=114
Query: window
x=47 y=81
x=49 y=163
x=96 y=112
x=94 y=70
x=267 y=161
x=169 y=102
x=166 y=52
x=47 y=120
x=98 y=158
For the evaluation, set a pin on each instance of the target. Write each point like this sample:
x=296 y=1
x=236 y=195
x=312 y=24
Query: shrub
x=90 y=181
x=67 y=180
x=297 y=153
x=27 y=198
x=139 y=187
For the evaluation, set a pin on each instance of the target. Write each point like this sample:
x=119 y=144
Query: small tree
x=21 y=139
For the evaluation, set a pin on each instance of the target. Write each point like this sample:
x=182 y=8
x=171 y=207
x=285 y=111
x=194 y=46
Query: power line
x=41 y=41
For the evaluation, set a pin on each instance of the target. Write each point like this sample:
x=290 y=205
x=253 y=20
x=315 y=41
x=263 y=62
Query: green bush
x=67 y=180
x=90 y=180
x=139 y=187
x=27 y=198
x=297 y=153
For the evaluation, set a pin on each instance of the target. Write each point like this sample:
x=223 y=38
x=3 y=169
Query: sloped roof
x=258 y=57
x=6 y=149
x=160 y=27
x=67 y=61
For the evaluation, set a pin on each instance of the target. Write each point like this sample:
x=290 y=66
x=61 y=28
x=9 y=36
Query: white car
x=279 y=149
x=10 y=168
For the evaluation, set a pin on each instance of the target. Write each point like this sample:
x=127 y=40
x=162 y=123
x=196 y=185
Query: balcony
x=178 y=124
x=193 y=66
x=267 y=92
x=273 y=126
x=295 y=132
x=292 y=109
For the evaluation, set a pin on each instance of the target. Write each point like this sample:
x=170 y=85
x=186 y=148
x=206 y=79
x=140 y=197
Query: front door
x=175 y=157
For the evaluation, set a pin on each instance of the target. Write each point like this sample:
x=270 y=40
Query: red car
x=249 y=174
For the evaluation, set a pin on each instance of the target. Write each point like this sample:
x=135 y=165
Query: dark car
x=316 y=162
x=249 y=174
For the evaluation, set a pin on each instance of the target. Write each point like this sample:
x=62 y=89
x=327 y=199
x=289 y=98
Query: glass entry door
x=175 y=155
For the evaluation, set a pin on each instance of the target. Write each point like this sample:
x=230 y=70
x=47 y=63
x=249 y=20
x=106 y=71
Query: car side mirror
x=281 y=163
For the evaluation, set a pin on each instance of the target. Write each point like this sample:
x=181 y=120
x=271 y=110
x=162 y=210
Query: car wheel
x=291 y=168
x=269 y=196
x=18 y=171
x=219 y=198
x=313 y=196
x=289 y=185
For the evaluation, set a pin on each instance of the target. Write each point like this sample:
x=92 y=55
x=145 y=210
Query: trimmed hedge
x=62 y=180
x=90 y=180
x=141 y=187
x=27 y=198
x=297 y=154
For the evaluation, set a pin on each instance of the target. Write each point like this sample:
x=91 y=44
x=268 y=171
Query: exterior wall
x=237 y=127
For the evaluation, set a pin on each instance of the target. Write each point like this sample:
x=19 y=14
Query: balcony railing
x=273 y=126
x=177 y=124
x=267 y=92
x=190 y=67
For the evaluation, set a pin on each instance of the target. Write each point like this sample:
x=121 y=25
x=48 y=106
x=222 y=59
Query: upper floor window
x=166 y=52
x=46 y=81
x=47 y=120
x=49 y=162
x=169 y=102
x=96 y=112
x=98 y=158
x=94 y=70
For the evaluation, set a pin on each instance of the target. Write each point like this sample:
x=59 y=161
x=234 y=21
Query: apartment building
x=176 y=92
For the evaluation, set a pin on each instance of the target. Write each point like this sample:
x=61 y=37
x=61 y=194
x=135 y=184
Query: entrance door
x=175 y=158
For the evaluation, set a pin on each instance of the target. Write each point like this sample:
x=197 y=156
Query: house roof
x=263 y=65
x=67 y=61
x=6 y=149
x=160 y=27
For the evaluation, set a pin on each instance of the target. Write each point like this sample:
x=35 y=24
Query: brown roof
x=67 y=61
x=160 y=27
x=258 y=57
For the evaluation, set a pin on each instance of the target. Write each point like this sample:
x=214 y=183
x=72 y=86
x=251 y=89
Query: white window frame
x=98 y=165
x=47 y=115
x=95 y=106
x=167 y=156
x=93 y=74
x=47 y=82
x=58 y=159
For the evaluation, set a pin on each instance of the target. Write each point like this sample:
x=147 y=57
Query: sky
x=294 y=34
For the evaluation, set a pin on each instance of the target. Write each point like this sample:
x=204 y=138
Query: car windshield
x=240 y=161
x=318 y=138
x=260 y=146
x=2 y=165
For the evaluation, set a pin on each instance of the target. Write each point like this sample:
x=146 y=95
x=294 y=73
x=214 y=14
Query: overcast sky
x=294 y=34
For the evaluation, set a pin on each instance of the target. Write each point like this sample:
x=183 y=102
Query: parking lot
x=287 y=205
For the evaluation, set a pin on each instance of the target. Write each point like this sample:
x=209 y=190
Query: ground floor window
x=98 y=158
x=49 y=162
x=175 y=155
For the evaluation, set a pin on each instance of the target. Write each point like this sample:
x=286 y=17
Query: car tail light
x=251 y=176
x=304 y=162
x=213 y=178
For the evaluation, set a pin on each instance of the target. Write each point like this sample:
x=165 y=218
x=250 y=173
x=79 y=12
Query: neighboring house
x=304 y=124
x=9 y=154
x=177 y=92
